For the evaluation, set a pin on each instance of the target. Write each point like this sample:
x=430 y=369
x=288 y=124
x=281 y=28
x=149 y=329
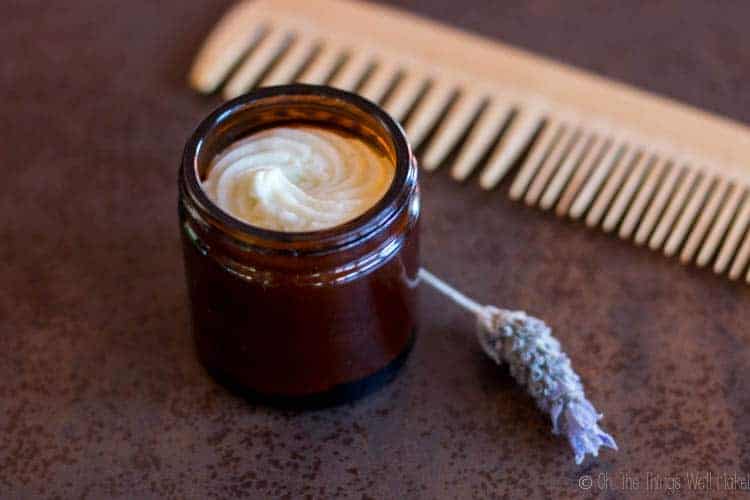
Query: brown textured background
x=100 y=392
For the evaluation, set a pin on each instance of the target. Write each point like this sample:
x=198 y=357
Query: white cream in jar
x=298 y=179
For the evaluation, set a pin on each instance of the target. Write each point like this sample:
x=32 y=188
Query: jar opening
x=297 y=104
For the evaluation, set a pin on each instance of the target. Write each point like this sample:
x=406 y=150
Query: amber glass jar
x=312 y=317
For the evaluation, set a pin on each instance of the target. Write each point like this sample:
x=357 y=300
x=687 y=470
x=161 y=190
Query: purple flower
x=538 y=363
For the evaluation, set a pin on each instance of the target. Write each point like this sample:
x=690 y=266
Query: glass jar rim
x=381 y=213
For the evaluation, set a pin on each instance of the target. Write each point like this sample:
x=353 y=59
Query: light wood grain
x=654 y=168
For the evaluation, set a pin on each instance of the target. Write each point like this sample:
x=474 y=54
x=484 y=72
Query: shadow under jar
x=304 y=318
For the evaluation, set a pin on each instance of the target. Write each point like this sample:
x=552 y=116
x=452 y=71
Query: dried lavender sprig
x=537 y=363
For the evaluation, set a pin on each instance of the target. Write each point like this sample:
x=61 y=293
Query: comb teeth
x=566 y=161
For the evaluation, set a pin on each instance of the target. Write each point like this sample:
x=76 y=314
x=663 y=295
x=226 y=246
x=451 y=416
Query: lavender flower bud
x=538 y=363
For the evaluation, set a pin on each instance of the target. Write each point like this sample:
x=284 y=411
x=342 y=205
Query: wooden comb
x=655 y=171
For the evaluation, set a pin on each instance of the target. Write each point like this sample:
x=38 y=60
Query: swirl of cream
x=298 y=179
